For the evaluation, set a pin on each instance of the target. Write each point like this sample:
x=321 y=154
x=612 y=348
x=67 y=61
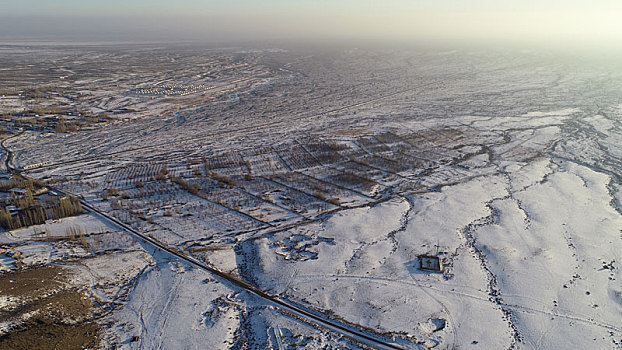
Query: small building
x=36 y=165
x=430 y=263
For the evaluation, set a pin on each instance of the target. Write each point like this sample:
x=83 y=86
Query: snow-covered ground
x=326 y=186
x=526 y=271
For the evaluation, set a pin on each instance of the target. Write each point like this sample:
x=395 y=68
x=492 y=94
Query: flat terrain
x=283 y=199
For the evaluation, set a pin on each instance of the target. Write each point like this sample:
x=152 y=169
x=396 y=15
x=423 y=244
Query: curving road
x=9 y=154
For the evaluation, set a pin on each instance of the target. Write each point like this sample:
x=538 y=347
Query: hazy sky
x=543 y=21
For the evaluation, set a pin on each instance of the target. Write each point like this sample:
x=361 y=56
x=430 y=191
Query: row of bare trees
x=35 y=214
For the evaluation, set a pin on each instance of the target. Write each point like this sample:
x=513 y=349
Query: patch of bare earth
x=41 y=310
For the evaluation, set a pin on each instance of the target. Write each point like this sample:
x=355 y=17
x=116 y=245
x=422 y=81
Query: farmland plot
x=352 y=181
x=239 y=200
x=320 y=189
x=296 y=157
x=263 y=161
x=286 y=197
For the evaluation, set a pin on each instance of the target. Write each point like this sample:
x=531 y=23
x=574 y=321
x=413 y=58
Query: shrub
x=162 y=175
x=334 y=201
x=319 y=195
x=192 y=188
x=60 y=126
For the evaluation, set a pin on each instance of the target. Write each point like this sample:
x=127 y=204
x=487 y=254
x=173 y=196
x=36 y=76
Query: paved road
x=9 y=154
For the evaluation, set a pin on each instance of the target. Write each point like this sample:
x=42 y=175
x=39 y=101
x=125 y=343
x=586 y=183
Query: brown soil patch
x=41 y=336
x=32 y=283
x=48 y=314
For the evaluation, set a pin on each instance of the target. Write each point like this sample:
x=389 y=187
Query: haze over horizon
x=578 y=23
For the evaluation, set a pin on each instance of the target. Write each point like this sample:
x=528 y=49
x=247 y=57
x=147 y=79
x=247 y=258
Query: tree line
x=33 y=213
